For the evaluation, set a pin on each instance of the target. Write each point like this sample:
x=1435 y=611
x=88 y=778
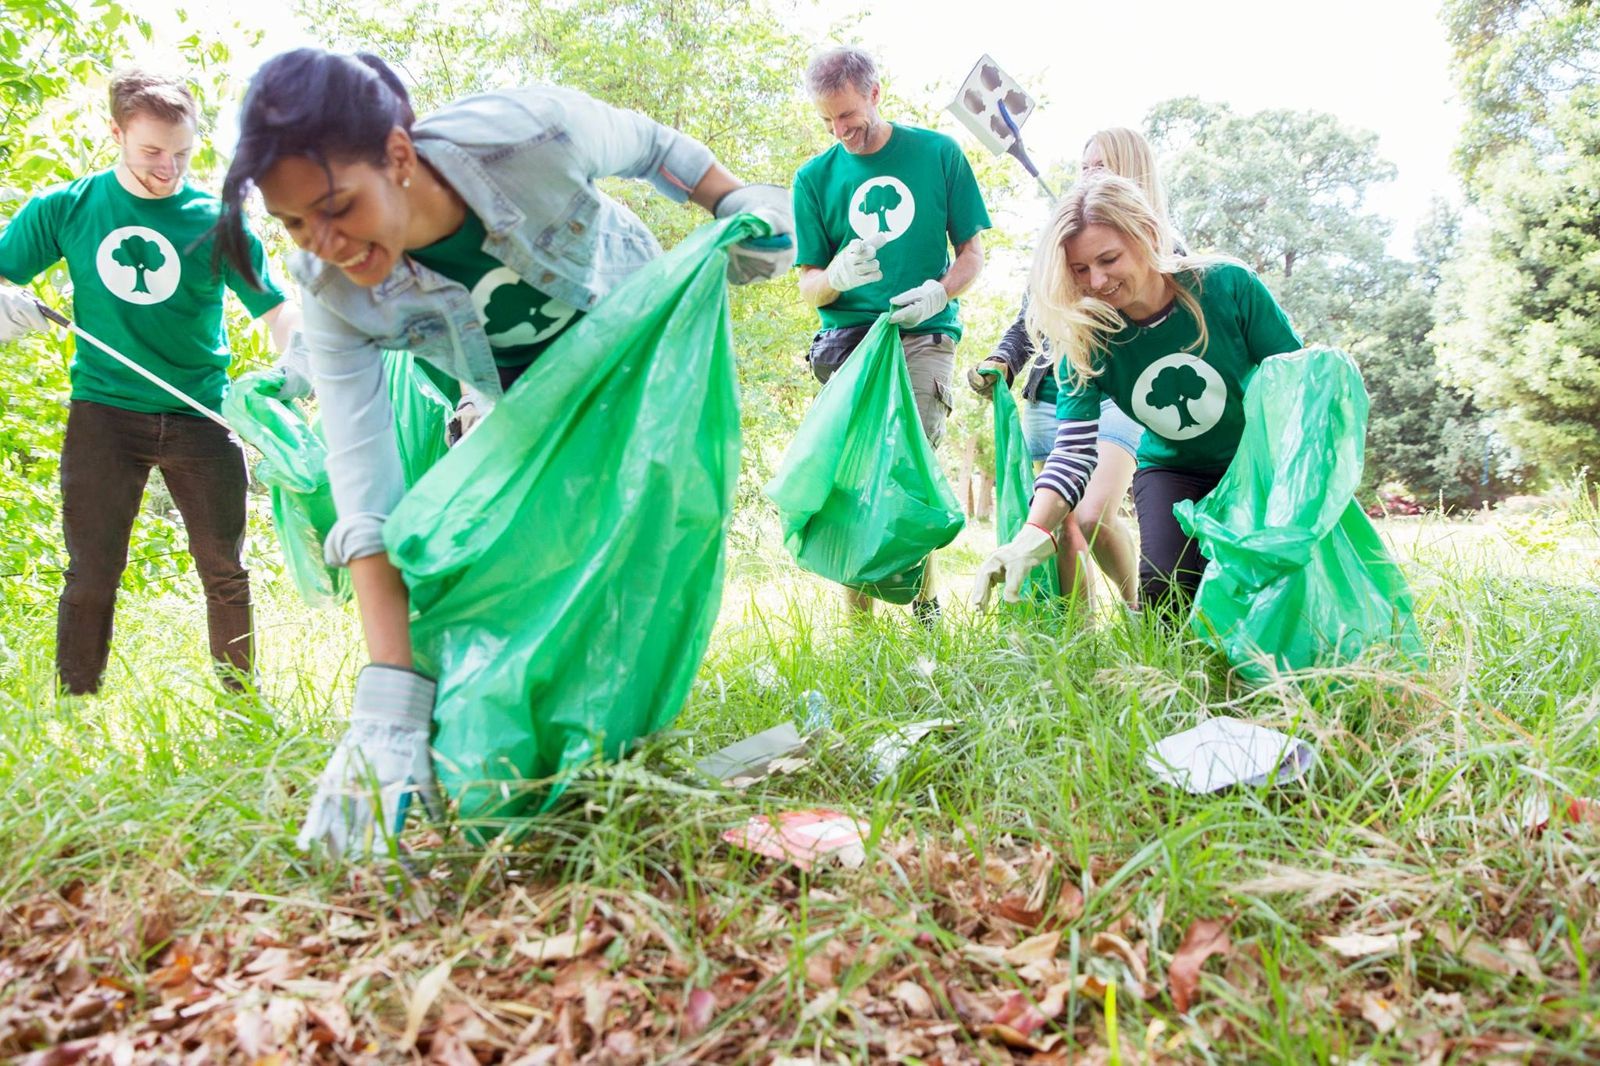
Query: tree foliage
x=1285 y=191
x=1520 y=314
x=1517 y=62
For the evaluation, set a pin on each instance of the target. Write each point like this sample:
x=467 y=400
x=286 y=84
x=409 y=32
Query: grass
x=152 y=869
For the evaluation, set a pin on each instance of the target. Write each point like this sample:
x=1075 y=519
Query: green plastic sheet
x=294 y=456
x=1013 y=490
x=565 y=561
x=1298 y=577
x=861 y=495
x=293 y=469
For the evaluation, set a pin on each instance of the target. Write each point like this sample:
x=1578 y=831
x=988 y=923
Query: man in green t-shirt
x=876 y=217
x=136 y=242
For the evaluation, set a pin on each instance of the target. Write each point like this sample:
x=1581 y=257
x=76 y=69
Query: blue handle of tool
x=769 y=244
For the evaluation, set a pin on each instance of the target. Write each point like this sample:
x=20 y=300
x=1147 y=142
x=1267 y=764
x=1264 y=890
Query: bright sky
x=1380 y=65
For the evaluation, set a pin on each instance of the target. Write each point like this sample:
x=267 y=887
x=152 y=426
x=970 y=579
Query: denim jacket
x=525 y=161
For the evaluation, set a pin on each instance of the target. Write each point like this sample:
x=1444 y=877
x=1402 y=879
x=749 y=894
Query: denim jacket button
x=548 y=277
x=575 y=226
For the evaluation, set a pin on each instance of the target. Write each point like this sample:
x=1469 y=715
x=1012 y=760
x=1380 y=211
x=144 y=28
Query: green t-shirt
x=519 y=320
x=142 y=282
x=918 y=190
x=1192 y=404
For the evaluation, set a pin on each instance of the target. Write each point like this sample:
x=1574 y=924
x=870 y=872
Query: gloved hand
x=919 y=304
x=19 y=314
x=295 y=363
x=469 y=412
x=983 y=383
x=296 y=386
x=856 y=264
x=385 y=753
x=760 y=258
x=1011 y=562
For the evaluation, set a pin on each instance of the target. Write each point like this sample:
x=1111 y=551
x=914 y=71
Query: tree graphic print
x=1175 y=387
x=511 y=306
x=140 y=255
x=880 y=200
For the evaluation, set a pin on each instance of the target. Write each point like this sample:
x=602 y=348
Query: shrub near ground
x=1029 y=891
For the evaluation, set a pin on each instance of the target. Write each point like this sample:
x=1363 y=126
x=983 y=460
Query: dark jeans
x=104 y=466
x=1170 y=563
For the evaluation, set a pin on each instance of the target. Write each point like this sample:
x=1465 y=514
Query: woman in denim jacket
x=471 y=238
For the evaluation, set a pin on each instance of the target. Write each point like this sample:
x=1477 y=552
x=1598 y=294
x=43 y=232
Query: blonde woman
x=1126 y=153
x=1171 y=341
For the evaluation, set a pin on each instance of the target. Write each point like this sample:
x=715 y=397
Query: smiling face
x=852 y=118
x=1109 y=267
x=155 y=152
x=359 y=222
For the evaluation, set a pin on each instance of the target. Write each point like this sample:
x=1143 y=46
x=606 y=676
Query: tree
x=1285 y=192
x=1175 y=386
x=1423 y=434
x=1516 y=63
x=140 y=254
x=880 y=200
x=1520 y=307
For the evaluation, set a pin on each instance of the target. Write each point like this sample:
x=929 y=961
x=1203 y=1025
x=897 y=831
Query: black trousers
x=1170 y=563
x=105 y=463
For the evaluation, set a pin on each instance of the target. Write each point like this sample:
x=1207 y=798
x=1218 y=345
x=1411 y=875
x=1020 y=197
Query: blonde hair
x=1074 y=323
x=1128 y=154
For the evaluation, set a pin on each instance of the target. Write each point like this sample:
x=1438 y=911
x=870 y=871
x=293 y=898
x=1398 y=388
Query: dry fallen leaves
x=1360 y=945
x=1205 y=937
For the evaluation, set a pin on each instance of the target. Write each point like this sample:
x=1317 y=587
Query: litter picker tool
x=993 y=106
x=82 y=334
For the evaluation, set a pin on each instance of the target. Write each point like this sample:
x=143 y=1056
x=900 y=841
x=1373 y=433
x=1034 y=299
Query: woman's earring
x=405 y=183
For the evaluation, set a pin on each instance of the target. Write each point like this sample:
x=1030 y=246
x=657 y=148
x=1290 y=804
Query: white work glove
x=296 y=386
x=19 y=314
x=469 y=412
x=919 y=304
x=983 y=376
x=856 y=264
x=383 y=756
x=760 y=258
x=1011 y=563
x=295 y=366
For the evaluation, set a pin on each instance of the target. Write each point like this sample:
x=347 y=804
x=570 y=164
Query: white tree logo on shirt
x=1179 y=396
x=138 y=265
x=514 y=313
x=882 y=207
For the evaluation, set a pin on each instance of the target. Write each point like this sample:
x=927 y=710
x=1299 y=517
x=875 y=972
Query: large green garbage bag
x=565 y=561
x=1013 y=490
x=860 y=493
x=421 y=412
x=1298 y=577
x=292 y=467
x=293 y=463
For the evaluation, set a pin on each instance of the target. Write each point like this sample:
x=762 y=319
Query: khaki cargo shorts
x=931 y=358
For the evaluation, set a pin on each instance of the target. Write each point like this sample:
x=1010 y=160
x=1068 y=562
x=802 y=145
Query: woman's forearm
x=385 y=609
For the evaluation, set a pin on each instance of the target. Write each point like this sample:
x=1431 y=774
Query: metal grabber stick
x=82 y=334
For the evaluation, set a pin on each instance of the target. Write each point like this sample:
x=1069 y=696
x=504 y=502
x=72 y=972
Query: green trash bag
x=1297 y=576
x=422 y=412
x=1013 y=490
x=565 y=561
x=294 y=455
x=292 y=467
x=861 y=495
